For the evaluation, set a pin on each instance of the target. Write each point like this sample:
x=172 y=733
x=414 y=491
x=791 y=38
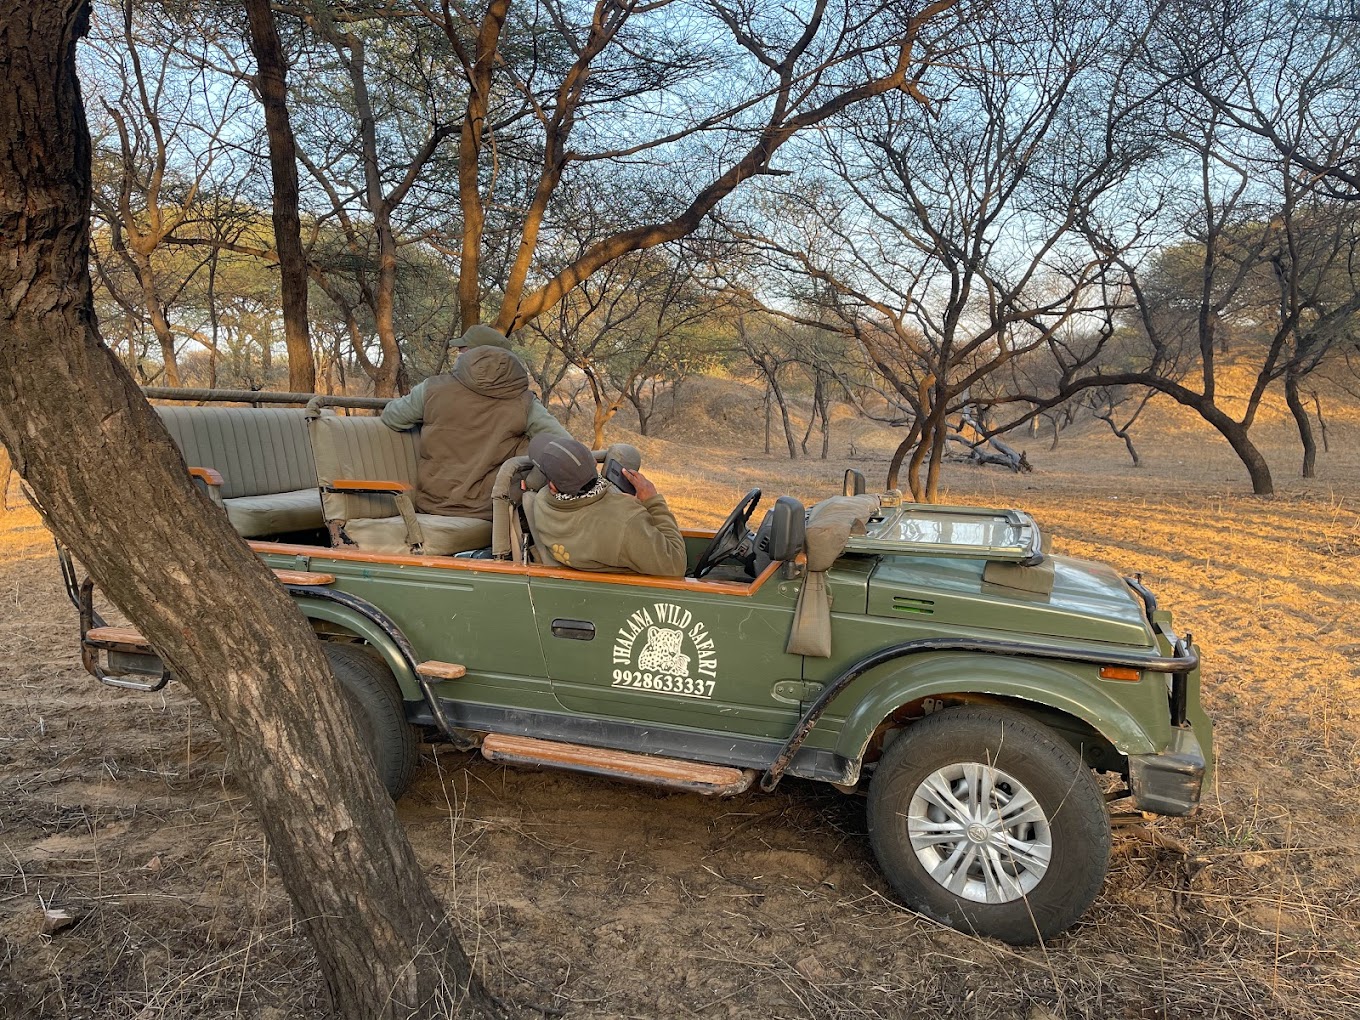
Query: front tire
x=989 y=822
x=374 y=701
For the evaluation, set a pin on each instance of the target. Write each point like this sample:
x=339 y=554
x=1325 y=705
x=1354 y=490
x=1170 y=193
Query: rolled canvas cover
x=830 y=525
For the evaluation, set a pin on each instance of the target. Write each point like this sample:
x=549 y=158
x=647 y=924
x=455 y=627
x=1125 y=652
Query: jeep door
x=452 y=612
x=684 y=653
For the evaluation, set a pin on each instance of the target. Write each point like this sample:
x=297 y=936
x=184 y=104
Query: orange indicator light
x=1121 y=673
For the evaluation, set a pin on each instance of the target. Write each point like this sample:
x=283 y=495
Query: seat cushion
x=444 y=536
x=254 y=516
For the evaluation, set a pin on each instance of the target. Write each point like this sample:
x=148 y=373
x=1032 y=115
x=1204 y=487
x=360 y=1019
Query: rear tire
x=989 y=822
x=374 y=701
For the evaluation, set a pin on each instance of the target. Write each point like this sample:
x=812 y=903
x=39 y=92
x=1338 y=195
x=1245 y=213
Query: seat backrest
x=361 y=449
x=257 y=450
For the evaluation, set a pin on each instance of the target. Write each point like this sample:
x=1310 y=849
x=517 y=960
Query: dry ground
x=585 y=898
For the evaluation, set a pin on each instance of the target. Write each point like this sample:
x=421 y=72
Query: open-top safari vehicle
x=937 y=658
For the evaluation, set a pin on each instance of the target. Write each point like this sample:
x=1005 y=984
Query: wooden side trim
x=353 y=485
x=526 y=570
x=306 y=577
x=442 y=670
x=123 y=637
x=696 y=533
x=207 y=474
x=645 y=768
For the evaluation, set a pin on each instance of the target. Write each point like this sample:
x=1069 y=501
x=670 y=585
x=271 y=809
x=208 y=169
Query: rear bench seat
x=269 y=484
x=367 y=474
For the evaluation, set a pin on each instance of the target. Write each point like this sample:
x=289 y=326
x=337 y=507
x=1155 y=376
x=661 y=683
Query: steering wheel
x=729 y=535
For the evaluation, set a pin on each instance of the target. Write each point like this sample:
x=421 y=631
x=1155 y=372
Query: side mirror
x=787 y=534
x=854 y=483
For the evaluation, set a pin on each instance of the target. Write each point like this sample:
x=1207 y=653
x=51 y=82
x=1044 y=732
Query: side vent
x=917 y=607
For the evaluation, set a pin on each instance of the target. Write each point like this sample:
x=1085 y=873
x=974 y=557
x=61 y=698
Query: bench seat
x=263 y=455
x=275 y=513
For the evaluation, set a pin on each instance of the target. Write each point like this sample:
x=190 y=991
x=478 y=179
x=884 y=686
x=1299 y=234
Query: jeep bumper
x=1169 y=783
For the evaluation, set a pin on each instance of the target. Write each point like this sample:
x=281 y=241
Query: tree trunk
x=599 y=421
x=471 y=134
x=816 y=410
x=900 y=454
x=1128 y=442
x=643 y=416
x=271 y=81
x=213 y=323
x=6 y=469
x=1300 y=413
x=769 y=417
x=78 y=429
x=826 y=427
x=784 y=413
x=385 y=377
x=941 y=427
x=1236 y=435
x=146 y=277
x=1322 y=422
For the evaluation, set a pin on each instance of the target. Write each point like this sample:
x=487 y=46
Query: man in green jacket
x=582 y=521
x=473 y=419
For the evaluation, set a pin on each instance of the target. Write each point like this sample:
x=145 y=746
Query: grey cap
x=482 y=336
x=568 y=464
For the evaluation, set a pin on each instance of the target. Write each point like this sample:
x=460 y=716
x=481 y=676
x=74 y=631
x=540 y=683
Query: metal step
x=673 y=773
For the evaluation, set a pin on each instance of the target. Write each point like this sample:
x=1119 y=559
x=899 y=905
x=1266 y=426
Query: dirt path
x=596 y=899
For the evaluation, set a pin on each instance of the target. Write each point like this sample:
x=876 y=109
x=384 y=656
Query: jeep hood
x=1088 y=602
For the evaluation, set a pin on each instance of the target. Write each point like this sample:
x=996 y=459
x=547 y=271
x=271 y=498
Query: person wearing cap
x=582 y=521
x=473 y=418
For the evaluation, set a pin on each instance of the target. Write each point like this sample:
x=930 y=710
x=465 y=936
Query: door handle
x=574 y=630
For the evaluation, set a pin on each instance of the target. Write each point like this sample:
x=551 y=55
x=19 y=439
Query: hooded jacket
x=475 y=418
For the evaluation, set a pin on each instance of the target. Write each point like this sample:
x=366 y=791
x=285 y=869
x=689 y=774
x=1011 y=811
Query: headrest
x=780 y=537
x=627 y=456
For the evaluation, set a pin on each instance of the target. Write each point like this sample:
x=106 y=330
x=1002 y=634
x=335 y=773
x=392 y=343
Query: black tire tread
x=371 y=688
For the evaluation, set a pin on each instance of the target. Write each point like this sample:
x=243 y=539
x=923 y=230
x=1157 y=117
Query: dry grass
x=588 y=898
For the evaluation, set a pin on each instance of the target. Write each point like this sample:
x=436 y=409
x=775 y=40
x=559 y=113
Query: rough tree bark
x=272 y=85
x=78 y=429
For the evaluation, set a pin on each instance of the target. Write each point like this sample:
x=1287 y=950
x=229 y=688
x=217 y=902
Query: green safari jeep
x=937 y=659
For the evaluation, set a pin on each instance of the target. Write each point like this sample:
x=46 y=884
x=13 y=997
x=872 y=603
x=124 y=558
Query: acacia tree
x=736 y=82
x=1286 y=75
x=1265 y=258
x=623 y=325
x=766 y=343
x=166 y=129
x=949 y=240
x=78 y=429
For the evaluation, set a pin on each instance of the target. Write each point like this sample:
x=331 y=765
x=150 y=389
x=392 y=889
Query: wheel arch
x=356 y=617
x=1043 y=690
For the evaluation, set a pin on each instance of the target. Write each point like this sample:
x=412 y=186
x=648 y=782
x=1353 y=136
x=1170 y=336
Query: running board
x=672 y=773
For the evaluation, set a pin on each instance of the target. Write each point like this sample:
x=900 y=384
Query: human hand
x=644 y=488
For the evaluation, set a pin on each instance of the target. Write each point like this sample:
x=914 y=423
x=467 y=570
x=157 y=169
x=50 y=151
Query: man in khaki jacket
x=582 y=521
x=473 y=419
